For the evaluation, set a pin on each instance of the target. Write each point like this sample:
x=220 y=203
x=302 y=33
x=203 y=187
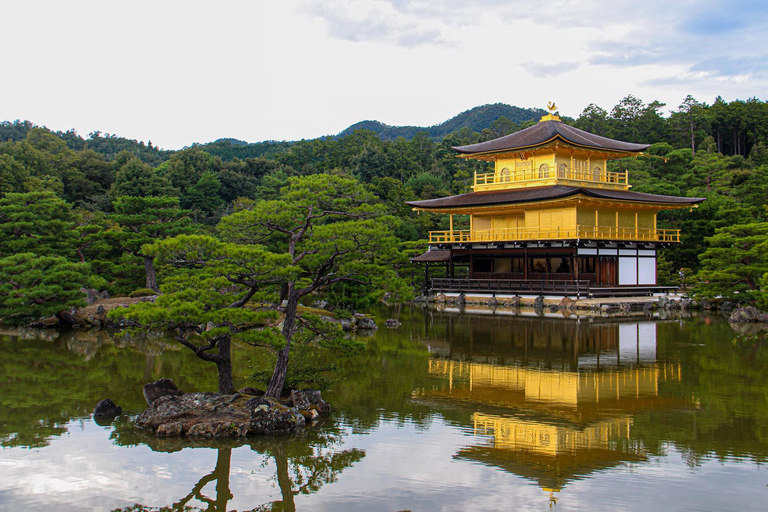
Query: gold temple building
x=551 y=219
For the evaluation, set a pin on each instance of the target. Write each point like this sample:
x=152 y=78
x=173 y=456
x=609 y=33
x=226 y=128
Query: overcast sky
x=178 y=72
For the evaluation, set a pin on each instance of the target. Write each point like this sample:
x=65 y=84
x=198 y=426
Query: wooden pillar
x=450 y=223
x=598 y=269
x=525 y=263
x=636 y=227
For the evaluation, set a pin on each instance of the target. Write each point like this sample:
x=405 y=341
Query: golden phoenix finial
x=551 y=107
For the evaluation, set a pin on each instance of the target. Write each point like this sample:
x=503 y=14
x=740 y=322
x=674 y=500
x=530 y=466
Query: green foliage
x=13 y=175
x=735 y=263
x=37 y=222
x=343 y=314
x=142 y=292
x=348 y=240
x=33 y=287
x=137 y=179
x=139 y=221
x=203 y=197
x=186 y=167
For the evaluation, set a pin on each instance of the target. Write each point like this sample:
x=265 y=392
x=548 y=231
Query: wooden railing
x=578 y=286
x=502 y=179
x=512 y=285
x=555 y=233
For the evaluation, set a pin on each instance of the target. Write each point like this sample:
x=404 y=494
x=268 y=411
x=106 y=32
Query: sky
x=180 y=72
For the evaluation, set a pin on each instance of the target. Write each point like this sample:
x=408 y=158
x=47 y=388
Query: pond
x=453 y=410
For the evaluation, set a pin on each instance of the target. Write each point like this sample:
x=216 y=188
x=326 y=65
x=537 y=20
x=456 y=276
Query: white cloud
x=182 y=72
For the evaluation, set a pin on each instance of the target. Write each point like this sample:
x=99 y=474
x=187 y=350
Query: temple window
x=502 y=265
x=544 y=171
x=483 y=265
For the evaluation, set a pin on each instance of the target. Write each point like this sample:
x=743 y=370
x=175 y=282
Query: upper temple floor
x=550 y=153
x=551 y=166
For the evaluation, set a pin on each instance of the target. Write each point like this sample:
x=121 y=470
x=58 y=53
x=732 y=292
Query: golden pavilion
x=551 y=219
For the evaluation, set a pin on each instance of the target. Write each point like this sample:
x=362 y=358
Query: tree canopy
x=324 y=230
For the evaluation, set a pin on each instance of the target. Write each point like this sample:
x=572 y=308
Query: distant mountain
x=234 y=142
x=476 y=119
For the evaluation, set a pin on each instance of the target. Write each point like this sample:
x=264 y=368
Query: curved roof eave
x=539 y=194
x=531 y=146
x=545 y=132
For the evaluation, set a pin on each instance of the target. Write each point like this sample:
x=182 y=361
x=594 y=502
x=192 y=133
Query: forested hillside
x=717 y=150
x=476 y=119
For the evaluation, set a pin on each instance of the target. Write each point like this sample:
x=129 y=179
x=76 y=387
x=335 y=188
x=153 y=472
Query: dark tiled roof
x=433 y=255
x=527 y=195
x=545 y=131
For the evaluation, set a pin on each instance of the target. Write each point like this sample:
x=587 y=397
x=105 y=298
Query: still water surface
x=451 y=411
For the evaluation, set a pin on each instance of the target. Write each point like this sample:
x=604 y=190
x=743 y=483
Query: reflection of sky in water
x=637 y=345
x=405 y=467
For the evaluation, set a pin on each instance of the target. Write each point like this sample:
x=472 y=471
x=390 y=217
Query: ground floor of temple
x=588 y=269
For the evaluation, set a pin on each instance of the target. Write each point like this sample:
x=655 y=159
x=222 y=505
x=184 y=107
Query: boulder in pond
x=105 y=412
x=747 y=314
x=365 y=322
x=316 y=401
x=159 y=388
x=107 y=408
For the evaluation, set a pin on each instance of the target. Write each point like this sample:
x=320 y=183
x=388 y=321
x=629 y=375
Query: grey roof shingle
x=545 y=131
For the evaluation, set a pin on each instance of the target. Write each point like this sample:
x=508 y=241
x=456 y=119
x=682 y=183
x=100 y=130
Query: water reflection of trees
x=730 y=385
x=303 y=463
x=48 y=378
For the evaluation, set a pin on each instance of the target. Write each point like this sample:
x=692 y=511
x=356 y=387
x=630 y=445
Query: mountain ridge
x=476 y=119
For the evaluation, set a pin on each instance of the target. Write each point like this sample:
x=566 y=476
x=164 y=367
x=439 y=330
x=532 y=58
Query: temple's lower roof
x=534 y=194
x=433 y=256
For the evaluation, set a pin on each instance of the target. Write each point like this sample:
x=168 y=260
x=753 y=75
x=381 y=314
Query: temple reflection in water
x=552 y=399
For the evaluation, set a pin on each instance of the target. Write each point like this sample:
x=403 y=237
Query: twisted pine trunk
x=224 y=365
x=277 y=382
x=149 y=269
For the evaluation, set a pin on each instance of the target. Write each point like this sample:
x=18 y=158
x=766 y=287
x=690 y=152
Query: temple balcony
x=530 y=177
x=555 y=233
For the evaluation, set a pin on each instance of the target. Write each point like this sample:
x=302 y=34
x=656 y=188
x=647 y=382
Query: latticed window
x=544 y=171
